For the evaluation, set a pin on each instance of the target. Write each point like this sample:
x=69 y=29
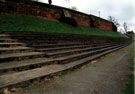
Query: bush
x=69 y=21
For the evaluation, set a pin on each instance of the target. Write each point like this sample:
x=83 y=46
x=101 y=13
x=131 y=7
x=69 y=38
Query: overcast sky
x=122 y=10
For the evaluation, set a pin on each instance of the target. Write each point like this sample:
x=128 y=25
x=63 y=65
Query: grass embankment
x=130 y=85
x=32 y=24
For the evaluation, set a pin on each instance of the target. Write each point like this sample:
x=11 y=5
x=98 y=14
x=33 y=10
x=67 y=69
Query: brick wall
x=101 y=23
x=54 y=12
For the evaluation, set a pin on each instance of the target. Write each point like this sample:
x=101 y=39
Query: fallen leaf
x=94 y=61
x=6 y=91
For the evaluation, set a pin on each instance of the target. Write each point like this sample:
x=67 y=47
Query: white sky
x=122 y=10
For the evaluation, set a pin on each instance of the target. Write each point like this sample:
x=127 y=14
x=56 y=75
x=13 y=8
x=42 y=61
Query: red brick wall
x=105 y=25
x=50 y=13
x=102 y=23
x=81 y=19
x=54 y=13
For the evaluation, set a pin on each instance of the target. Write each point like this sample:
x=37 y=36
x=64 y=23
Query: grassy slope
x=28 y=23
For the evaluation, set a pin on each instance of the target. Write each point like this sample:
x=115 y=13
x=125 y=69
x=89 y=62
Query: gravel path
x=107 y=76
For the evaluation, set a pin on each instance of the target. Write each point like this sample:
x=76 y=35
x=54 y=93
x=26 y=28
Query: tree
x=50 y=2
x=113 y=20
x=125 y=27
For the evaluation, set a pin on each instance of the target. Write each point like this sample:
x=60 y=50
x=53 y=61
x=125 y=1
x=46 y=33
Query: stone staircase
x=29 y=56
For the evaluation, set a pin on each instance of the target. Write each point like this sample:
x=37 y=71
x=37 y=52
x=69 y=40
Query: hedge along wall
x=38 y=9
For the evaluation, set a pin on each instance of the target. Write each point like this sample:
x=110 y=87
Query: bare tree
x=50 y=2
x=115 y=21
x=125 y=27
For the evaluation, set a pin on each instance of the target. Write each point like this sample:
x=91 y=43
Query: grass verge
x=20 y=23
x=129 y=89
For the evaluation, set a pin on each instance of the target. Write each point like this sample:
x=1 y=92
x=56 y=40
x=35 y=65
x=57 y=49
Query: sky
x=122 y=10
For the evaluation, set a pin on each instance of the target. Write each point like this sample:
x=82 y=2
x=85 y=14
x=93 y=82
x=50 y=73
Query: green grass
x=33 y=24
x=129 y=89
x=130 y=85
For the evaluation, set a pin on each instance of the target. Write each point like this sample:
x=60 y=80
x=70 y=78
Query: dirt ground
x=108 y=75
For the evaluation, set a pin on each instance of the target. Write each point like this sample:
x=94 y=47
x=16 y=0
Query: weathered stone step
x=70 y=47
x=61 y=45
x=15 y=50
x=70 y=58
x=58 y=38
x=13 y=79
x=39 y=42
x=53 y=45
x=20 y=56
x=75 y=51
x=4 y=35
x=7 y=40
x=30 y=41
x=88 y=59
x=24 y=65
x=11 y=44
x=48 y=42
x=45 y=34
x=41 y=37
x=50 y=36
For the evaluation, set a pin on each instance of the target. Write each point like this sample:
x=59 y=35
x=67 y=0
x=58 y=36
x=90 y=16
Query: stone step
x=61 y=45
x=24 y=65
x=15 y=50
x=4 y=35
x=32 y=34
x=45 y=35
x=7 y=40
x=70 y=58
x=50 y=36
x=88 y=59
x=42 y=37
x=20 y=56
x=12 y=44
x=39 y=42
x=75 y=51
x=70 y=47
x=14 y=79
x=58 y=38
x=30 y=42
x=36 y=40
x=23 y=76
